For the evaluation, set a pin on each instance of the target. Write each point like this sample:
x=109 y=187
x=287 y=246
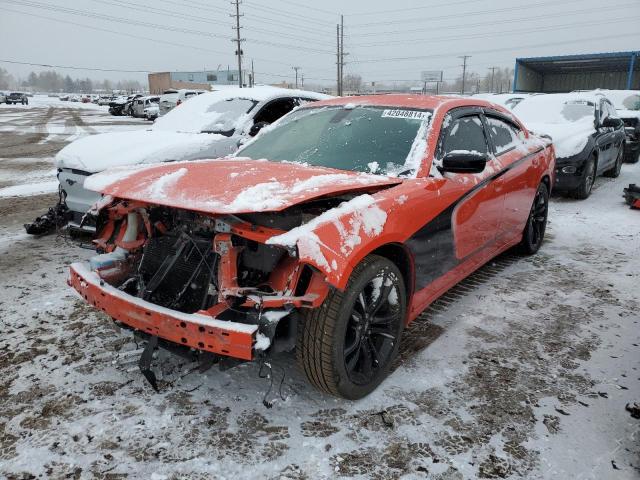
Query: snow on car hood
x=231 y=185
x=99 y=152
x=569 y=139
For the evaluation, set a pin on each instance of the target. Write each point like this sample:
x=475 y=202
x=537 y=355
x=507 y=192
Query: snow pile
x=362 y=216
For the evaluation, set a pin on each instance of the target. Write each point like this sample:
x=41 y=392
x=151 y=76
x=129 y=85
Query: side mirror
x=256 y=127
x=611 y=122
x=464 y=162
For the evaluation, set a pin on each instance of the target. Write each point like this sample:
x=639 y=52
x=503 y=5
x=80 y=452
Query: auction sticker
x=412 y=114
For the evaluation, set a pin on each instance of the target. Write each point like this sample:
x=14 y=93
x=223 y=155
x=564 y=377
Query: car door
x=476 y=219
x=606 y=137
x=519 y=181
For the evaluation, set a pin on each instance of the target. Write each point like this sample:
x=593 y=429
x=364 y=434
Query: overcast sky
x=382 y=37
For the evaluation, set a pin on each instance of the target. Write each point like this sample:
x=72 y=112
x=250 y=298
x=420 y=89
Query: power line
x=94 y=69
x=466 y=14
x=164 y=42
x=497 y=33
x=396 y=10
x=464 y=26
x=442 y=55
x=307 y=7
x=68 y=67
x=33 y=4
x=288 y=14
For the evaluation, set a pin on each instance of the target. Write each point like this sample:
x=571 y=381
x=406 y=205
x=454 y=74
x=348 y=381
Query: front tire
x=588 y=179
x=346 y=346
x=533 y=234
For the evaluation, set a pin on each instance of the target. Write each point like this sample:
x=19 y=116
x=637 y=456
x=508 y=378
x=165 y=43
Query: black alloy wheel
x=347 y=345
x=588 y=179
x=533 y=234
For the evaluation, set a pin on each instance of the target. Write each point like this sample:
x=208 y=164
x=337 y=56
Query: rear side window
x=504 y=135
x=466 y=134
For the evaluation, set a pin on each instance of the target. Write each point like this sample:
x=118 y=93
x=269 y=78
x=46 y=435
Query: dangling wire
x=269 y=375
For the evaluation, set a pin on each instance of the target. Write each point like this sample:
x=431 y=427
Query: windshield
x=362 y=139
x=625 y=100
x=554 y=109
x=206 y=113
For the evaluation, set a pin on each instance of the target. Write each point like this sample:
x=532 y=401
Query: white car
x=139 y=106
x=627 y=103
x=211 y=125
x=172 y=98
x=152 y=111
x=507 y=100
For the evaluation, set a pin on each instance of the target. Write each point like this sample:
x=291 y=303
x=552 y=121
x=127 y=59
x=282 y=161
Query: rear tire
x=614 y=172
x=633 y=157
x=588 y=179
x=533 y=234
x=347 y=345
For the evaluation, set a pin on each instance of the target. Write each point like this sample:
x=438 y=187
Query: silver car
x=172 y=98
x=140 y=104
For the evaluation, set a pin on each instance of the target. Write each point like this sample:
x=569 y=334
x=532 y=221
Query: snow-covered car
x=105 y=99
x=586 y=132
x=208 y=126
x=627 y=103
x=328 y=233
x=64 y=97
x=141 y=103
x=152 y=112
x=3 y=97
x=507 y=100
x=122 y=105
x=172 y=98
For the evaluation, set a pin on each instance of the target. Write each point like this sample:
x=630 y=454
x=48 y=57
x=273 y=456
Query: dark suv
x=17 y=97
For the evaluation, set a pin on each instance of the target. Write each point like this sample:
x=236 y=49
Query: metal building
x=204 y=79
x=613 y=70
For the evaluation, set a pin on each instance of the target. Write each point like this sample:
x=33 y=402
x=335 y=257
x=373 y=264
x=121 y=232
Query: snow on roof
x=198 y=114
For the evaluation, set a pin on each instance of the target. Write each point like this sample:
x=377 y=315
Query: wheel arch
x=401 y=258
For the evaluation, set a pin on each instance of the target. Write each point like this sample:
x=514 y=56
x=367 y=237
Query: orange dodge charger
x=327 y=233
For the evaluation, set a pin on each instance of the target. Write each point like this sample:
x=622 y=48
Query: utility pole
x=338 y=86
x=493 y=72
x=464 y=70
x=302 y=81
x=296 y=69
x=253 y=74
x=238 y=40
x=341 y=54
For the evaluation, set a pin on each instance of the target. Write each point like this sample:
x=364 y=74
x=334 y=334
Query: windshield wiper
x=226 y=133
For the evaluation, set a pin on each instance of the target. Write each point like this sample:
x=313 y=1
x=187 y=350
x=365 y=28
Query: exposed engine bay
x=221 y=266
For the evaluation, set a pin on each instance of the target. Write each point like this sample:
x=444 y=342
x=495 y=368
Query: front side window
x=504 y=135
x=362 y=139
x=466 y=135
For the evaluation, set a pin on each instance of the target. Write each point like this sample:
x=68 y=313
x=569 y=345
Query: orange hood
x=231 y=185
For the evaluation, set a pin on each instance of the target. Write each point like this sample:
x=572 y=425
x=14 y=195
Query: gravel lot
x=522 y=371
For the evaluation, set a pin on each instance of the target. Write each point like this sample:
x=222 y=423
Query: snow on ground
x=523 y=371
x=30 y=136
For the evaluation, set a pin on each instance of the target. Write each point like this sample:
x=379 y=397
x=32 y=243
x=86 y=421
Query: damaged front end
x=207 y=282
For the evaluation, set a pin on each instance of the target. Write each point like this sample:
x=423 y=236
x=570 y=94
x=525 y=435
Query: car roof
x=423 y=102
